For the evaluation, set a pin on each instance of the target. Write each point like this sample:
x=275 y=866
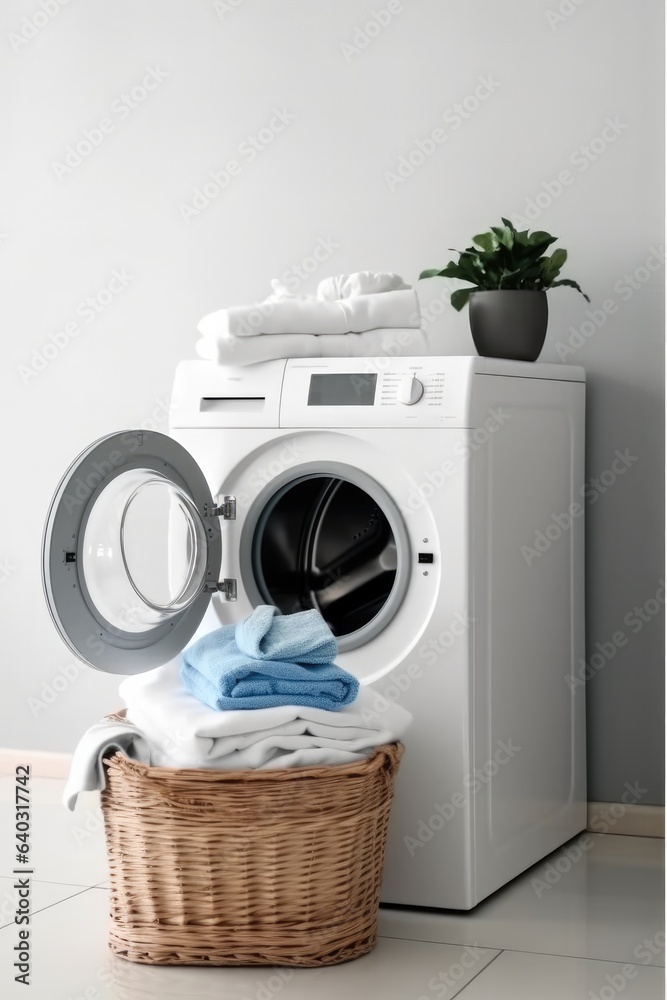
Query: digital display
x=342 y=389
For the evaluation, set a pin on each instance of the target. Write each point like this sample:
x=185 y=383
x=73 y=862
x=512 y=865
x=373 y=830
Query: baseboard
x=43 y=763
x=629 y=820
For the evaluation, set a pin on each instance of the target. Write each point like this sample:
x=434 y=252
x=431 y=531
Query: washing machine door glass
x=130 y=557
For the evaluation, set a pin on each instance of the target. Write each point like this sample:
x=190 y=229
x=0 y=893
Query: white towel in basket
x=183 y=732
x=101 y=741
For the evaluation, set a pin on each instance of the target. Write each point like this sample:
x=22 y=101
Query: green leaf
x=551 y=266
x=539 y=236
x=487 y=241
x=506 y=258
x=431 y=273
x=531 y=274
x=467 y=269
x=457 y=271
x=572 y=284
x=505 y=236
x=460 y=297
x=537 y=249
x=524 y=254
x=557 y=259
x=507 y=278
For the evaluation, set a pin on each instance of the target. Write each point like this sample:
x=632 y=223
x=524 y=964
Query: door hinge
x=226 y=510
x=226 y=587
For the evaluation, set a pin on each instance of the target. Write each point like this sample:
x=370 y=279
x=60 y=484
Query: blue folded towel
x=268 y=660
x=303 y=637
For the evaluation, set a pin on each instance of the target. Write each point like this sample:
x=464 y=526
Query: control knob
x=410 y=390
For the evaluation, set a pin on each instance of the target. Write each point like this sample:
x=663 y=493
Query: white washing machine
x=425 y=506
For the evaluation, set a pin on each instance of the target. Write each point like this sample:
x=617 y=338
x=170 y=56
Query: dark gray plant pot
x=509 y=324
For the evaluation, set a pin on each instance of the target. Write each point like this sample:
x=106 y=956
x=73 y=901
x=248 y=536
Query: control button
x=425 y=557
x=410 y=390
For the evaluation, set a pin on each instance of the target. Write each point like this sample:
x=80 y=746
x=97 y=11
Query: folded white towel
x=398 y=309
x=183 y=732
x=343 y=286
x=242 y=351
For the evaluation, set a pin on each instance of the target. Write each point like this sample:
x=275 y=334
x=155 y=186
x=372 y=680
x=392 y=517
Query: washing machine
x=431 y=509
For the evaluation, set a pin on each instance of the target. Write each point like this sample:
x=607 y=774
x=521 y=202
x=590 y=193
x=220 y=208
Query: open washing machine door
x=132 y=552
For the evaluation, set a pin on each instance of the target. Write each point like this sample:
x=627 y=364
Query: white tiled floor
x=595 y=934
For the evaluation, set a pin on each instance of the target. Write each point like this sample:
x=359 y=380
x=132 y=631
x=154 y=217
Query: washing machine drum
x=323 y=542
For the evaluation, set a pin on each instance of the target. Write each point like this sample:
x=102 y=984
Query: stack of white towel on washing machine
x=351 y=315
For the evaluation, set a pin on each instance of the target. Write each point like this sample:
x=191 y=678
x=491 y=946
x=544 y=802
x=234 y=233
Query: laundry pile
x=352 y=315
x=264 y=693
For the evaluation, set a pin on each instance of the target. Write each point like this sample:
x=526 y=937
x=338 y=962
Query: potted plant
x=509 y=272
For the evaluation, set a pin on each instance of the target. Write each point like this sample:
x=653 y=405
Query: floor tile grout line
x=465 y=987
x=65 y=900
x=519 y=951
x=56 y=902
x=583 y=958
x=50 y=881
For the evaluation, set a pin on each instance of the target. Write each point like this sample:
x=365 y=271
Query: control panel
x=376 y=392
x=342 y=392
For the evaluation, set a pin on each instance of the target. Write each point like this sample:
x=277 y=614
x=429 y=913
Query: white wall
x=221 y=69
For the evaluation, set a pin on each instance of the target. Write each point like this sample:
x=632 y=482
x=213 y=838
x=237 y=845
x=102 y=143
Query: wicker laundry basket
x=278 y=867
